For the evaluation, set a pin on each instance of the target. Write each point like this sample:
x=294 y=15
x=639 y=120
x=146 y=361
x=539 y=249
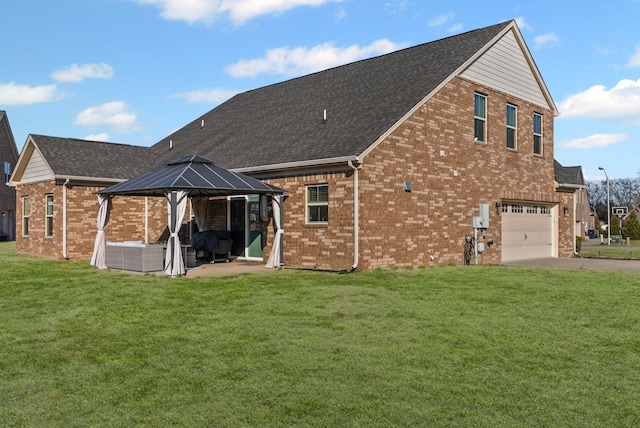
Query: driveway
x=581 y=263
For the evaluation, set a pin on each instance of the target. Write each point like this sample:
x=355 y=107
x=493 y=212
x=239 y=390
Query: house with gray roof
x=570 y=179
x=387 y=162
x=8 y=159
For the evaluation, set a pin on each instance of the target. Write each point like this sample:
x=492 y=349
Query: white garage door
x=527 y=232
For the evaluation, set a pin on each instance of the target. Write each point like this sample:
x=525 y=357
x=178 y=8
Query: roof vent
x=171 y=144
x=324 y=116
x=202 y=124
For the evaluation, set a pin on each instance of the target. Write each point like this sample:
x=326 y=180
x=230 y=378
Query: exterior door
x=246 y=227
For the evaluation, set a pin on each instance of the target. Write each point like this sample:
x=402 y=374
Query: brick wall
x=127 y=221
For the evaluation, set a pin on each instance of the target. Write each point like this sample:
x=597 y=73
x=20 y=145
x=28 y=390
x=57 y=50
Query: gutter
x=295 y=165
x=65 y=253
x=356 y=203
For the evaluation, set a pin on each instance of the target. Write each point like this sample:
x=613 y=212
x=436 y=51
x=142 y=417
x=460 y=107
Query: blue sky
x=133 y=71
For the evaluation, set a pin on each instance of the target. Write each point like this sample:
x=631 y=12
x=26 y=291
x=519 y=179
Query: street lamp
x=608 y=208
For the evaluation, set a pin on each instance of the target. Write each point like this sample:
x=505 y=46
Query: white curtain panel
x=200 y=206
x=98 y=258
x=177 y=206
x=275 y=261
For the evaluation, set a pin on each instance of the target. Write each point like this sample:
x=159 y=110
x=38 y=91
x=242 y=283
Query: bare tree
x=624 y=192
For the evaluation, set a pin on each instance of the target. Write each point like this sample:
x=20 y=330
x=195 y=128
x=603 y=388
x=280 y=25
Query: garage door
x=527 y=232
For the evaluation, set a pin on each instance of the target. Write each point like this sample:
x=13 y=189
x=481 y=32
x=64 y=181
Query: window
x=511 y=126
x=532 y=210
x=7 y=172
x=537 y=134
x=516 y=208
x=545 y=210
x=318 y=203
x=49 y=217
x=25 y=215
x=480 y=117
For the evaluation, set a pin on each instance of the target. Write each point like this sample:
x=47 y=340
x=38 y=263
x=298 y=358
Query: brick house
x=570 y=179
x=385 y=161
x=8 y=159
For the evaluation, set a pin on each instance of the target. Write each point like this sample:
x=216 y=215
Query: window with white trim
x=49 y=216
x=26 y=210
x=537 y=134
x=318 y=203
x=480 y=117
x=512 y=126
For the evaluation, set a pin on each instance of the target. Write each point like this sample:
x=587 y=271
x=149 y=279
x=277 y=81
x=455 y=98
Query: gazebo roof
x=194 y=174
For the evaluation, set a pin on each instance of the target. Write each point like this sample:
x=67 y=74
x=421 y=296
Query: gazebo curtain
x=275 y=259
x=98 y=258
x=177 y=206
x=200 y=206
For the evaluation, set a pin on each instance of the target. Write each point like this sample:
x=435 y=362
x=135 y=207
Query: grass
x=613 y=251
x=481 y=346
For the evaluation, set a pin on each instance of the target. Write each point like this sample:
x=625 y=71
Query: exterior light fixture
x=566 y=210
x=498 y=207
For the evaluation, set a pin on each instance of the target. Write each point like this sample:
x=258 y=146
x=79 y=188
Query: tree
x=615 y=225
x=624 y=192
x=632 y=229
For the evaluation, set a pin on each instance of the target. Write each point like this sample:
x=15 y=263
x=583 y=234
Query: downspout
x=573 y=227
x=356 y=202
x=146 y=219
x=64 y=220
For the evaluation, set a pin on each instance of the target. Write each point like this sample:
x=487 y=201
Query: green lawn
x=613 y=251
x=476 y=346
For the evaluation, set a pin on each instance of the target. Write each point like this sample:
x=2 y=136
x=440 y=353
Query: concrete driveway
x=581 y=263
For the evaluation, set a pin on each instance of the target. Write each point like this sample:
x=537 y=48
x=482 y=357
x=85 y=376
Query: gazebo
x=187 y=177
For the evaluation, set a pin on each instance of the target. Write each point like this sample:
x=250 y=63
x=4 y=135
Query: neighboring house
x=385 y=161
x=8 y=159
x=570 y=179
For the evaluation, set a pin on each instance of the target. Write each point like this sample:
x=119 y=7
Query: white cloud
x=103 y=136
x=116 y=114
x=440 y=19
x=634 y=60
x=210 y=96
x=239 y=11
x=620 y=103
x=78 y=73
x=594 y=141
x=301 y=60
x=396 y=6
x=13 y=94
x=340 y=13
x=456 y=28
x=545 y=40
x=522 y=24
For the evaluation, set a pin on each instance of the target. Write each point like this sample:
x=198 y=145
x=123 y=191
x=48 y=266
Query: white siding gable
x=36 y=170
x=505 y=67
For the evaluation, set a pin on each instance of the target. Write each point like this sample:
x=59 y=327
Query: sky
x=134 y=71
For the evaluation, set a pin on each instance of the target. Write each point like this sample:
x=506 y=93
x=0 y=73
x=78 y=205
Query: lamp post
x=608 y=207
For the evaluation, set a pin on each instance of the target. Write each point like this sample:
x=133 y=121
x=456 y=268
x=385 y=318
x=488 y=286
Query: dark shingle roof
x=194 y=174
x=82 y=158
x=283 y=123
x=568 y=174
